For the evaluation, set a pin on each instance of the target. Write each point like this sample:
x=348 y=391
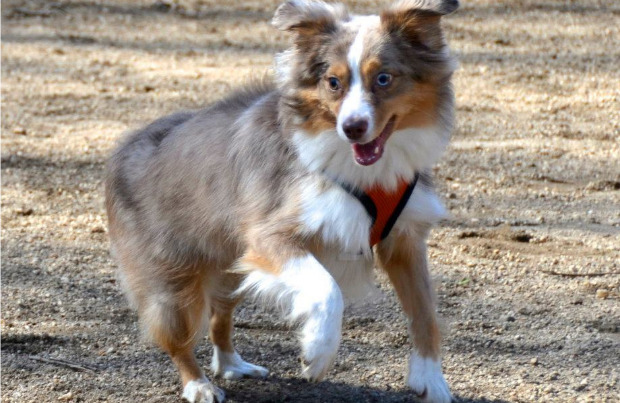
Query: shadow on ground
x=275 y=389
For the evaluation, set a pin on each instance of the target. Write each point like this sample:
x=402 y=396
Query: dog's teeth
x=376 y=150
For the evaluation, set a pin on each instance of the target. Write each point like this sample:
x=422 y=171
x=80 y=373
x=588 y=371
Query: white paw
x=202 y=391
x=320 y=341
x=315 y=369
x=232 y=366
x=427 y=381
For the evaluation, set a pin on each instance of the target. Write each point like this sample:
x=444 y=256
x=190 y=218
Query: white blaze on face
x=356 y=104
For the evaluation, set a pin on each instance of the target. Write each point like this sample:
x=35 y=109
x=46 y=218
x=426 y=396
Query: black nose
x=355 y=128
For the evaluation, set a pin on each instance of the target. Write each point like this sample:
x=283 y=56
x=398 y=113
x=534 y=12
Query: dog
x=292 y=190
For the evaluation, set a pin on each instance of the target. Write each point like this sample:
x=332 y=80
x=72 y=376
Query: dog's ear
x=309 y=17
x=418 y=20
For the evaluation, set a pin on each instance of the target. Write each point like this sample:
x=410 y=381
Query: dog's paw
x=316 y=369
x=318 y=356
x=202 y=391
x=427 y=380
x=232 y=366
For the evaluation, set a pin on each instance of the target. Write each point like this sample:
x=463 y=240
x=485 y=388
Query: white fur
x=353 y=272
x=356 y=106
x=406 y=151
x=202 y=391
x=283 y=63
x=311 y=295
x=425 y=375
x=337 y=216
x=344 y=226
x=232 y=366
x=356 y=103
x=423 y=206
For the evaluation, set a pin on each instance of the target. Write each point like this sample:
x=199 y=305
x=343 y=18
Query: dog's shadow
x=276 y=389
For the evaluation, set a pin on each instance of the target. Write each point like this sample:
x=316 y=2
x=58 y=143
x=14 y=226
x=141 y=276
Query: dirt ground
x=532 y=180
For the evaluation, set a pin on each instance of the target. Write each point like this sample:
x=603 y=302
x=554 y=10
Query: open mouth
x=371 y=152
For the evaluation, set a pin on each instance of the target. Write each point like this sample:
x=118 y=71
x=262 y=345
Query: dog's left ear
x=307 y=18
x=418 y=20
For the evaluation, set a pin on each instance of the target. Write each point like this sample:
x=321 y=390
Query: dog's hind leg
x=175 y=317
x=226 y=362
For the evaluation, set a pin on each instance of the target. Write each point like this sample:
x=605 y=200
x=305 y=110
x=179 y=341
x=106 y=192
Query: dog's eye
x=384 y=79
x=334 y=83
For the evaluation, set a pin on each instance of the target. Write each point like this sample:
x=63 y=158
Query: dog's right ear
x=418 y=20
x=309 y=17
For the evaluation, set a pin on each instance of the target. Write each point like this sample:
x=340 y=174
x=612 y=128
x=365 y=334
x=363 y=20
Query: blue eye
x=334 y=83
x=384 y=79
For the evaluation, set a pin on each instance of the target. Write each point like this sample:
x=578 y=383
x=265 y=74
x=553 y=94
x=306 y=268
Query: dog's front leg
x=403 y=257
x=293 y=279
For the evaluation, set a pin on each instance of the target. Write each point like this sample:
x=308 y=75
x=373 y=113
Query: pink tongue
x=369 y=153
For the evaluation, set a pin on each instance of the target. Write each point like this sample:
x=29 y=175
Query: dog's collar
x=383 y=207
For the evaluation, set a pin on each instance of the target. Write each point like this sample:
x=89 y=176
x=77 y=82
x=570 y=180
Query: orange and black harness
x=383 y=208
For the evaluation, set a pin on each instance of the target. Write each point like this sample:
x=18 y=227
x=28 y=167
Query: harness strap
x=382 y=207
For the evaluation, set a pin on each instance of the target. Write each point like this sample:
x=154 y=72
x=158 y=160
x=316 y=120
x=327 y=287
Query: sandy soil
x=532 y=180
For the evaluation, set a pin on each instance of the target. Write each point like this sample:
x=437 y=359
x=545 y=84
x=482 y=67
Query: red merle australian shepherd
x=291 y=191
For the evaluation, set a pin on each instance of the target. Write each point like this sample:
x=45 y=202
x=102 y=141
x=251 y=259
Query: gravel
x=532 y=180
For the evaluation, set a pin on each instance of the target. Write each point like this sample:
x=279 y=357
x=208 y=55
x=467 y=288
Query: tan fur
x=418 y=20
x=371 y=66
x=403 y=258
x=322 y=116
x=416 y=109
x=252 y=259
x=222 y=309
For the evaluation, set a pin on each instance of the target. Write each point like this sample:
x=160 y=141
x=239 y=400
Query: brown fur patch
x=253 y=261
x=340 y=70
x=319 y=116
x=370 y=67
x=176 y=322
x=404 y=260
x=221 y=324
x=418 y=21
x=417 y=108
x=318 y=104
x=412 y=94
x=188 y=366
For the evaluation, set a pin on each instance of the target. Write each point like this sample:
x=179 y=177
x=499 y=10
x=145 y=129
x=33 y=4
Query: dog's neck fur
x=407 y=152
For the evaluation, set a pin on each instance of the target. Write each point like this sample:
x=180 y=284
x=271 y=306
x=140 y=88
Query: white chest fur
x=342 y=221
x=338 y=217
x=424 y=206
x=344 y=226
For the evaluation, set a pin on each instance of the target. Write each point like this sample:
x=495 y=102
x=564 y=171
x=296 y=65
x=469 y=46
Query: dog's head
x=365 y=76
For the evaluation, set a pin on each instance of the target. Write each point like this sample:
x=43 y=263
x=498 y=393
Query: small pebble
x=19 y=130
x=97 y=230
x=602 y=294
x=66 y=397
x=24 y=211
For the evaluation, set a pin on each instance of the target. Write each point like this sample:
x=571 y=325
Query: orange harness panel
x=383 y=207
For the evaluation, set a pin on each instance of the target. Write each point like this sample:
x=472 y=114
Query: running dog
x=291 y=190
